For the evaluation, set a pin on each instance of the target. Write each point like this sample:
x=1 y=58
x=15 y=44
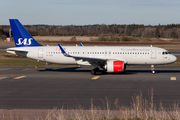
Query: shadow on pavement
x=103 y=72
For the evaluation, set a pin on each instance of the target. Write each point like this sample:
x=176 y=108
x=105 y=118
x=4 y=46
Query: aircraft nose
x=174 y=58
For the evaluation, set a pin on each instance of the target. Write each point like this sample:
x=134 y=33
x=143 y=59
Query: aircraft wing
x=90 y=59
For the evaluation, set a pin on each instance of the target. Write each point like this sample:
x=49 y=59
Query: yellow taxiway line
x=96 y=77
x=25 y=69
x=173 y=78
x=19 y=77
x=2 y=78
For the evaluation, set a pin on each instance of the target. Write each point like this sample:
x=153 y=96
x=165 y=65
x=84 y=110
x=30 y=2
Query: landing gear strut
x=152 y=69
x=94 y=71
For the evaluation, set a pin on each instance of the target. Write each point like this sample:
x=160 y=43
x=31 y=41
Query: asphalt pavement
x=70 y=87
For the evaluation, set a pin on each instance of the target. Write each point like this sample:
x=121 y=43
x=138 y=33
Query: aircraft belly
x=32 y=55
x=139 y=59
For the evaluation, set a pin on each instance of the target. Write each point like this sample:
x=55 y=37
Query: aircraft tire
x=93 y=72
x=96 y=69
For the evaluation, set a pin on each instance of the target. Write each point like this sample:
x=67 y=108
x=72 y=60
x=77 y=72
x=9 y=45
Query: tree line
x=135 y=30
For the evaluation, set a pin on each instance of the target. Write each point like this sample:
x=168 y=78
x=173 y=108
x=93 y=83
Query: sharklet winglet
x=62 y=50
x=81 y=44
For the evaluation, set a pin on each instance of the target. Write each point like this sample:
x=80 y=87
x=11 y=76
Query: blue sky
x=86 y=12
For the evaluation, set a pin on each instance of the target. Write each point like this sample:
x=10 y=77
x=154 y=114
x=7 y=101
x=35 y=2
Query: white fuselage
x=130 y=55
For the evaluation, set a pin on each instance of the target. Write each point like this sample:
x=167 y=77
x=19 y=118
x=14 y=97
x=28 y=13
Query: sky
x=89 y=12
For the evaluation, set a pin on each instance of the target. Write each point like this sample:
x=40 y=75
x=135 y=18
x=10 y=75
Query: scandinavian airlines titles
x=24 y=42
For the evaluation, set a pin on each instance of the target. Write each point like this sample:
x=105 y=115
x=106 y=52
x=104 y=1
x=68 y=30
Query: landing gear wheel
x=93 y=72
x=96 y=69
x=153 y=72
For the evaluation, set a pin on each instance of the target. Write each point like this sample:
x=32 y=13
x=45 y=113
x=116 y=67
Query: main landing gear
x=94 y=71
x=152 y=69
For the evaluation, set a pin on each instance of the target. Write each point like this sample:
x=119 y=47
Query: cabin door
x=153 y=53
x=40 y=53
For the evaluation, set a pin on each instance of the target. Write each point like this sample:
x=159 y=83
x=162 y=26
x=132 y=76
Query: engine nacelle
x=115 y=66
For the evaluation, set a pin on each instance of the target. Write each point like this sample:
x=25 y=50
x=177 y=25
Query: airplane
x=113 y=59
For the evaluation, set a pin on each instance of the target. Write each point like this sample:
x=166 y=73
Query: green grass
x=26 y=62
x=20 y=62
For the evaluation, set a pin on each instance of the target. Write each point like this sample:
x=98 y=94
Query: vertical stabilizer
x=22 y=38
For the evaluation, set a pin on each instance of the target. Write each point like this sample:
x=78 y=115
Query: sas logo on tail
x=24 y=42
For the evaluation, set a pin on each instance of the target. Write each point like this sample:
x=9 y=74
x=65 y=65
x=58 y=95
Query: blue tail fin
x=22 y=38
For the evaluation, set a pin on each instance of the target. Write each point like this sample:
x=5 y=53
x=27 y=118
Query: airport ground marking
x=96 y=77
x=19 y=77
x=2 y=78
x=173 y=78
x=25 y=69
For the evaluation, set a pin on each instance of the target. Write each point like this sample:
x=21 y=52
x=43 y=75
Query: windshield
x=165 y=53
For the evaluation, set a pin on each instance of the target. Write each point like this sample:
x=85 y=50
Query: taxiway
x=46 y=88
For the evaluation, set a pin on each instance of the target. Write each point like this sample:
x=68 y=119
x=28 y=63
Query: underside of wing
x=17 y=51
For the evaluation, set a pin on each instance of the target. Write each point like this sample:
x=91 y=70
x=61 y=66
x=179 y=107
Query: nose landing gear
x=152 y=69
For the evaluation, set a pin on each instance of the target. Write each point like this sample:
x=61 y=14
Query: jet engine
x=115 y=66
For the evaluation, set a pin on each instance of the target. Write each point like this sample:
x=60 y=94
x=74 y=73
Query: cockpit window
x=165 y=53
